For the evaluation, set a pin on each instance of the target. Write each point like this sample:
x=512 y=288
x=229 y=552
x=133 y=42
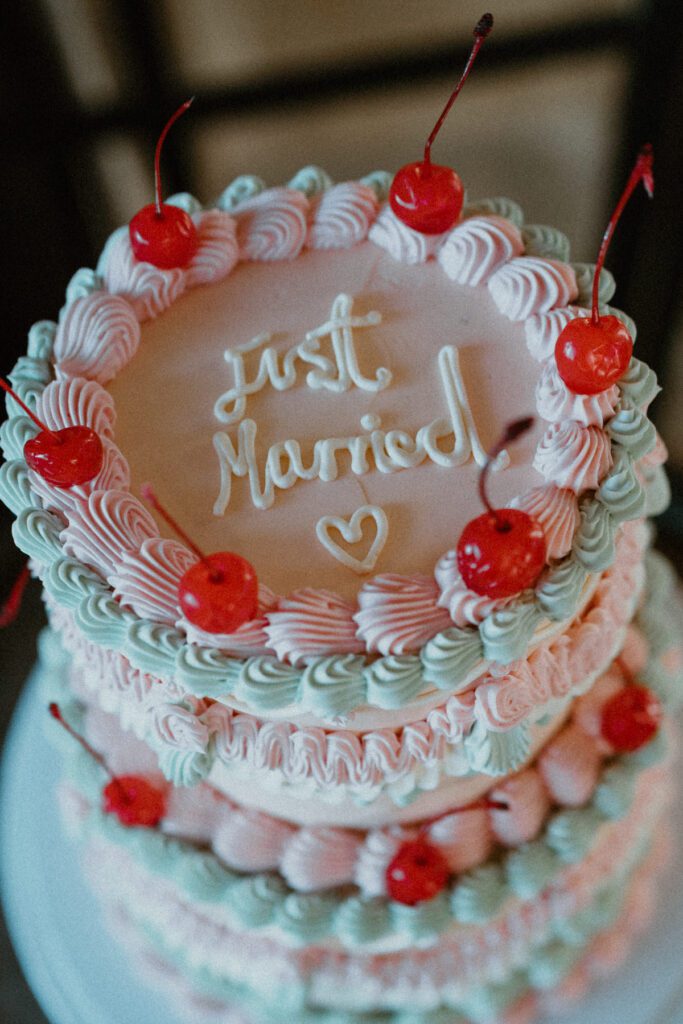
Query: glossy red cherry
x=500 y=554
x=502 y=551
x=418 y=872
x=66 y=457
x=219 y=593
x=592 y=357
x=161 y=234
x=428 y=197
x=132 y=798
x=593 y=353
x=134 y=801
x=631 y=718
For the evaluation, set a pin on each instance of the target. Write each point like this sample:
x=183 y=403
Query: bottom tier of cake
x=539 y=900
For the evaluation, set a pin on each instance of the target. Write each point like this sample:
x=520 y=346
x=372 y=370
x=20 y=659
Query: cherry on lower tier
x=132 y=798
x=160 y=233
x=631 y=718
x=593 y=352
x=428 y=197
x=65 y=457
x=418 y=872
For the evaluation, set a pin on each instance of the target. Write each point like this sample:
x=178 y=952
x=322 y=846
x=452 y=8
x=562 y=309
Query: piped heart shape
x=351 y=531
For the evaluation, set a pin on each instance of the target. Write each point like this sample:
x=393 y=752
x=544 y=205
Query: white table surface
x=80 y=975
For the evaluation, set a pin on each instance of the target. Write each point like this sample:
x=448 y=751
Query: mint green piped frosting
x=152 y=646
x=205 y=878
x=550 y=965
x=621 y=492
x=41 y=338
x=584 y=282
x=479 y=894
x=83 y=283
x=331 y=686
x=614 y=793
x=639 y=383
x=103 y=621
x=15 y=490
x=632 y=430
x=267 y=683
x=184 y=767
x=205 y=671
x=594 y=543
x=500 y=206
x=530 y=868
x=657 y=492
x=311 y=181
x=559 y=592
x=37 y=532
x=449 y=656
x=497 y=753
x=305 y=916
x=506 y=632
x=424 y=920
x=546 y=242
x=70 y=582
x=246 y=186
x=379 y=182
x=360 y=921
x=185 y=201
x=14 y=433
x=571 y=834
x=254 y=899
x=394 y=681
x=30 y=368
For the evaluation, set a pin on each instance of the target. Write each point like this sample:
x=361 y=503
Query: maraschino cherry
x=65 y=457
x=220 y=592
x=132 y=798
x=501 y=552
x=592 y=353
x=631 y=718
x=419 y=871
x=428 y=197
x=160 y=233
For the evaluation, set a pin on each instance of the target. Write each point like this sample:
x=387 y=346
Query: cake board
x=80 y=975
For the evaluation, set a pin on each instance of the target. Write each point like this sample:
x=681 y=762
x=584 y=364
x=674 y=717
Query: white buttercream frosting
x=573 y=456
x=477 y=247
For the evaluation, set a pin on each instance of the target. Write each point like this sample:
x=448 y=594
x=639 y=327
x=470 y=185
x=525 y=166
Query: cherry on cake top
x=64 y=458
x=502 y=551
x=219 y=593
x=631 y=718
x=428 y=197
x=162 y=234
x=593 y=353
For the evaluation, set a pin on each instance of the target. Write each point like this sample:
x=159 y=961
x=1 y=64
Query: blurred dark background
x=563 y=95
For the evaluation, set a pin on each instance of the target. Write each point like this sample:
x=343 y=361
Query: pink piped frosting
x=114 y=474
x=573 y=456
x=310 y=623
x=504 y=702
x=97 y=335
x=148 y=289
x=557 y=511
x=341 y=216
x=477 y=247
x=248 y=640
x=465 y=607
x=569 y=766
x=250 y=841
x=464 y=838
x=217 y=248
x=555 y=402
x=147 y=579
x=77 y=402
x=657 y=457
x=587 y=712
x=543 y=329
x=400 y=241
x=272 y=225
x=102 y=529
x=635 y=652
x=528 y=806
x=320 y=858
x=529 y=285
x=398 y=614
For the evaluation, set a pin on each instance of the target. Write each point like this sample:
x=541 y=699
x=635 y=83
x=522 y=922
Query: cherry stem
x=29 y=412
x=157 y=153
x=481 y=30
x=10 y=607
x=149 y=496
x=56 y=713
x=510 y=434
x=642 y=171
x=484 y=804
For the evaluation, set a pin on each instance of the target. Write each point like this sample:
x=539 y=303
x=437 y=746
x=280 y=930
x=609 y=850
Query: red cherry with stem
x=593 y=353
x=428 y=197
x=419 y=871
x=160 y=233
x=132 y=798
x=12 y=603
x=65 y=457
x=631 y=718
x=503 y=551
x=220 y=592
